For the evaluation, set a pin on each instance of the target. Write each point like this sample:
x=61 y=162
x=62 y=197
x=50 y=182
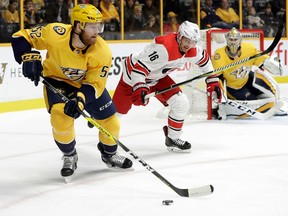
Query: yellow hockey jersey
x=64 y=62
x=237 y=76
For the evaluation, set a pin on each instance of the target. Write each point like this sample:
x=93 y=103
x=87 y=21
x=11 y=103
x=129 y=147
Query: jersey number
x=104 y=72
x=153 y=56
x=35 y=32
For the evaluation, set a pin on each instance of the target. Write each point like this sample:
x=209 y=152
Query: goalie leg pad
x=266 y=84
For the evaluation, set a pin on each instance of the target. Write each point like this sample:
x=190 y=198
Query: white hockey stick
x=241 y=105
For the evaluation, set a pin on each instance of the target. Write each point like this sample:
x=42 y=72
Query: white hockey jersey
x=160 y=58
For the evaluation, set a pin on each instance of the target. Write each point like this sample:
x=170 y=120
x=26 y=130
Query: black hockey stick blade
x=216 y=72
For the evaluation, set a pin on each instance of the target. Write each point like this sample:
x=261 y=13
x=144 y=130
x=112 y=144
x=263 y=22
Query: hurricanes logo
x=2 y=71
x=74 y=74
x=59 y=30
x=241 y=72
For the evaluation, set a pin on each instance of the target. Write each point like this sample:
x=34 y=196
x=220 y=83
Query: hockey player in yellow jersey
x=248 y=81
x=77 y=63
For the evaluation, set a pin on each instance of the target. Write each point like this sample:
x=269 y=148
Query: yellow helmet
x=85 y=13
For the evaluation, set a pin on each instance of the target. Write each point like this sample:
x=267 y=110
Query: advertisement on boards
x=14 y=86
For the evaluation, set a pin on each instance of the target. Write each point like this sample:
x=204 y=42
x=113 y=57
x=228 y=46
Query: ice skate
x=69 y=166
x=114 y=160
x=117 y=160
x=176 y=145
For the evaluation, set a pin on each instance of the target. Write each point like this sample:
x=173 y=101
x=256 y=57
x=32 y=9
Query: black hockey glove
x=74 y=107
x=32 y=66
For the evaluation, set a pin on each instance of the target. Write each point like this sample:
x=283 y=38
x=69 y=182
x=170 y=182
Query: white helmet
x=189 y=30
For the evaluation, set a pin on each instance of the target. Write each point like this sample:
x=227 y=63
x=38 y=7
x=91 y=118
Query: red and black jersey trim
x=204 y=60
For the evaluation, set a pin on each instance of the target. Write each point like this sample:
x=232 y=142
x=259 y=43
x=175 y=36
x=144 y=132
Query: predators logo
x=240 y=73
x=216 y=56
x=59 y=30
x=74 y=74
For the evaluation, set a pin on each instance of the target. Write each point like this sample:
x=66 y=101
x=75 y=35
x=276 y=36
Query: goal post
x=212 y=39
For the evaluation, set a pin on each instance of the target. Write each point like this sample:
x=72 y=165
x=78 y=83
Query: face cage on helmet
x=233 y=43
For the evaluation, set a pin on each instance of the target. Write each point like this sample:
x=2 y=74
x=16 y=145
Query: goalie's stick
x=216 y=71
x=242 y=106
x=192 y=192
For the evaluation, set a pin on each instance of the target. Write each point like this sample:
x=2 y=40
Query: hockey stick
x=216 y=71
x=193 y=192
x=241 y=105
x=249 y=111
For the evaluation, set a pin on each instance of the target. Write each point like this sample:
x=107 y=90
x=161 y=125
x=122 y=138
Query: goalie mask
x=233 y=40
x=190 y=31
x=87 y=13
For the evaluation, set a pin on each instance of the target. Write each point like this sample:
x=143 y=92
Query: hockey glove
x=74 y=107
x=139 y=91
x=213 y=85
x=32 y=66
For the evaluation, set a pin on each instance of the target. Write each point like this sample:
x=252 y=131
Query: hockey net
x=196 y=91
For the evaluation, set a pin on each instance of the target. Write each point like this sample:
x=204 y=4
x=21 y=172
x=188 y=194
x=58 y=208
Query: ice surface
x=245 y=160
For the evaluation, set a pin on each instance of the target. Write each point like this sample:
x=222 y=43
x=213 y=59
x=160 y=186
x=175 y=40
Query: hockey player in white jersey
x=147 y=71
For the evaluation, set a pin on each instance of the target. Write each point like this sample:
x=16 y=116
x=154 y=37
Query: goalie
x=247 y=84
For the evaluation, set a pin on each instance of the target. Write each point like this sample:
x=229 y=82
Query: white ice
x=245 y=160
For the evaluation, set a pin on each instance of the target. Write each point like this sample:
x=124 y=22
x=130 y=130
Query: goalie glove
x=32 y=66
x=139 y=91
x=273 y=65
x=74 y=106
x=213 y=87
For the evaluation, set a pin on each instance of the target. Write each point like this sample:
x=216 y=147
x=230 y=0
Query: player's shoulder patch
x=59 y=30
x=216 y=56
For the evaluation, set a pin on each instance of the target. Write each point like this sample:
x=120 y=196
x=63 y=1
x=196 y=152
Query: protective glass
x=98 y=27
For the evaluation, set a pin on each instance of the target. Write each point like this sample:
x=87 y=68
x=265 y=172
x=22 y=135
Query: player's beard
x=87 y=40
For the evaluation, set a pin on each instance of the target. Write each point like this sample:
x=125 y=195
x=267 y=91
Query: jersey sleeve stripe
x=144 y=66
x=139 y=72
x=140 y=69
x=129 y=64
x=204 y=60
x=126 y=69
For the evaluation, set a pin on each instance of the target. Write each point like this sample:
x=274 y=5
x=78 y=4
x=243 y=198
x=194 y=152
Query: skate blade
x=177 y=150
x=68 y=179
x=115 y=168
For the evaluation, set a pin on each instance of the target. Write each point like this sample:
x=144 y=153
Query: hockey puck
x=167 y=202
